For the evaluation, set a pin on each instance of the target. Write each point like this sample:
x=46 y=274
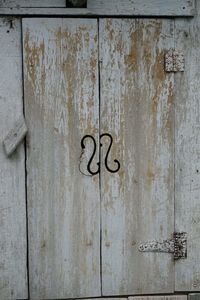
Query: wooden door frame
x=95 y=8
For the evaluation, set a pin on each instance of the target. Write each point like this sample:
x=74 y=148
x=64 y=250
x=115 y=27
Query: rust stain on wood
x=131 y=60
x=33 y=53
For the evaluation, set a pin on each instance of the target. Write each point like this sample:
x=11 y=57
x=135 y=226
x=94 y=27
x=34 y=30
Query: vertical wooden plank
x=187 y=151
x=137 y=110
x=61 y=105
x=13 y=273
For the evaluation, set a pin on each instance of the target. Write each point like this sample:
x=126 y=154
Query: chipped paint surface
x=137 y=109
x=61 y=104
x=13 y=238
x=187 y=151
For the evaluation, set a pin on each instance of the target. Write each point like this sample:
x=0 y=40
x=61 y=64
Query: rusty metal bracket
x=174 y=61
x=177 y=245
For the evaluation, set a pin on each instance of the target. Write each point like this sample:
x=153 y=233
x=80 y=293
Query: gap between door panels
x=25 y=163
x=100 y=163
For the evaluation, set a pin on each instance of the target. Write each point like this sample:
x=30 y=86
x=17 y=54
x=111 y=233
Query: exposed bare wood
x=15 y=136
x=113 y=8
x=13 y=276
x=187 y=151
x=137 y=109
x=61 y=106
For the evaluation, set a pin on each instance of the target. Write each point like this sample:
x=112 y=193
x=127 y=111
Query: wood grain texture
x=187 y=152
x=109 y=8
x=13 y=276
x=104 y=298
x=61 y=106
x=15 y=136
x=137 y=110
x=167 y=297
x=194 y=296
x=143 y=8
x=32 y=3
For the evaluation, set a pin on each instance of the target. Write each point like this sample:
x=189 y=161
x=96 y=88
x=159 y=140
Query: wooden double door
x=91 y=77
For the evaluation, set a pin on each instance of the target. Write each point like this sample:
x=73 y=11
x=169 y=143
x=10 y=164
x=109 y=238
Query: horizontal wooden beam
x=167 y=297
x=32 y=3
x=171 y=8
x=194 y=296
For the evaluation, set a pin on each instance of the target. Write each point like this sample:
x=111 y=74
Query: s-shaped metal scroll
x=106 y=158
x=93 y=154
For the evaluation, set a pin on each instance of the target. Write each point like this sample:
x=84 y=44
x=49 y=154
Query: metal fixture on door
x=177 y=245
x=174 y=61
x=93 y=154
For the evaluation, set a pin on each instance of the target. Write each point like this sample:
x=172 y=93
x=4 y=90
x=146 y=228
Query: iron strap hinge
x=177 y=245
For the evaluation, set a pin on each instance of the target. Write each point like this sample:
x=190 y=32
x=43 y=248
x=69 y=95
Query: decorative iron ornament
x=94 y=172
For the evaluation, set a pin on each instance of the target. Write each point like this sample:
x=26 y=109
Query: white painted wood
x=32 y=3
x=15 y=136
x=167 y=297
x=61 y=106
x=114 y=8
x=13 y=276
x=143 y=7
x=187 y=152
x=137 y=110
x=47 y=11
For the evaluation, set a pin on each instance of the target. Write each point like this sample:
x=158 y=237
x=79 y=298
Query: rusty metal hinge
x=177 y=245
x=174 y=61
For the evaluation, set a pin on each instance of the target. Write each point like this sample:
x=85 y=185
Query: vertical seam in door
x=99 y=89
x=25 y=166
x=174 y=148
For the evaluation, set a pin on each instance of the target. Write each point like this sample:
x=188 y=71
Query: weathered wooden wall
x=13 y=242
x=187 y=151
x=100 y=7
x=32 y=3
x=138 y=204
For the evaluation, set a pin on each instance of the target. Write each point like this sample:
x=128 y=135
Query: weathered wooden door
x=90 y=77
x=136 y=104
x=61 y=105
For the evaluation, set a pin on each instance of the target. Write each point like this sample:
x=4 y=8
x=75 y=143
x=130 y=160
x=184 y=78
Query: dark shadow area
x=76 y=3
